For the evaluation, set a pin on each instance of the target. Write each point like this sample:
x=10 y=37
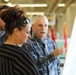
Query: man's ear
x=32 y=26
x=16 y=31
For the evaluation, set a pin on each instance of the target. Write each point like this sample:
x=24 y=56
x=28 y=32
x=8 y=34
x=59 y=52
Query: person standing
x=43 y=49
x=2 y=25
x=13 y=59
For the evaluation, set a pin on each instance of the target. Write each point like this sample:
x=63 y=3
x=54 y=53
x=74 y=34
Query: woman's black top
x=15 y=61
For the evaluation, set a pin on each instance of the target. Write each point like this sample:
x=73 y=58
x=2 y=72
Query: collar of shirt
x=40 y=40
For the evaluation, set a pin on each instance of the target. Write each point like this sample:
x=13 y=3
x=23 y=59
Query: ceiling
x=52 y=5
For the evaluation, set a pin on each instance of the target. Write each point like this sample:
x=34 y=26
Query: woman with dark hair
x=15 y=60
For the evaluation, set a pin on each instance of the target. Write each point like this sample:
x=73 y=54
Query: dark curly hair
x=4 y=7
x=14 y=18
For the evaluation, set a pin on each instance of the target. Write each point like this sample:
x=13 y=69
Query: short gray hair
x=37 y=16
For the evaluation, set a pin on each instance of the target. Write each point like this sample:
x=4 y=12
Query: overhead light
x=61 y=5
x=9 y=4
x=34 y=13
x=6 y=0
x=32 y=5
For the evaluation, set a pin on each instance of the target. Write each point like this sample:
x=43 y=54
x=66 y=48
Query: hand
x=58 y=51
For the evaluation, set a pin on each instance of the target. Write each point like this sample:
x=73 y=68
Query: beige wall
x=67 y=17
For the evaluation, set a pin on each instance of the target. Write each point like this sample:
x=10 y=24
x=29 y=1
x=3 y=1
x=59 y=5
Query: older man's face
x=40 y=28
x=2 y=24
